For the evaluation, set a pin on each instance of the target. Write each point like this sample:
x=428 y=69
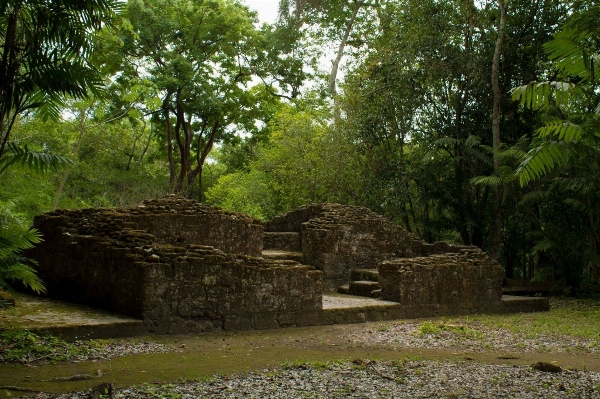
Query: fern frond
x=479 y=155
x=533 y=197
x=14 y=238
x=541 y=160
x=473 y=141
x=512 y=154
x=562 y=130
x=446 y=141
x=544 y=245
x=576 y=204
x=536 y=95
x=567 y=50
x=37 y=161
x=491 y=181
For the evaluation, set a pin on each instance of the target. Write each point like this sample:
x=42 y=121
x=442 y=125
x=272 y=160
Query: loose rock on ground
x=370 y=379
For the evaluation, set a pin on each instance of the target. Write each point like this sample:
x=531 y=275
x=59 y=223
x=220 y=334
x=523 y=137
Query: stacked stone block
x=102 y=258
x=462 y=283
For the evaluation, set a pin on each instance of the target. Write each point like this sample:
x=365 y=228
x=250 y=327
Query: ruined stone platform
x=71 y=321
x=67 y=320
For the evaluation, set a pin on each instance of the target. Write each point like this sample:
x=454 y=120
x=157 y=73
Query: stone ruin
x=363 y=253
x=178 y=265
x=185 y=267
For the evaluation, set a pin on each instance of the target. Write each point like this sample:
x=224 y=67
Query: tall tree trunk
x=169 y=128
x=201 y=158
x=147 y=146
x=336 y=63
x=8 y=70
x=182 y=136
x=340 y=52
x=496 y=232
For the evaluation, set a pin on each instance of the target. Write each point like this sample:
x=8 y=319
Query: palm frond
x=533 y=197
x=444 y=141
x=567 y=50
x=512 y=154
x=14 y=238
x=541 y=160
x=39 y=162
x=562 y=130
x=538 y=95
x=578 y=205
x=473 y=141
x=544 y=245
x=479 y=155
x=491 y=181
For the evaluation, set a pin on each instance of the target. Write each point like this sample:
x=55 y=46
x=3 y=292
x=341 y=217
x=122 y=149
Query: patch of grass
x=163 y=392
x=22 y=346
x=567 y=317
x=461 y=330
x=317 y=365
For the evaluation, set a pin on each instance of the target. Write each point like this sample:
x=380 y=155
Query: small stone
x=153 y=258
x=561 y=388
x=547 y=367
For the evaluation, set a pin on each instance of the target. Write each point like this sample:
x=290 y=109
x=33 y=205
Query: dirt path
x=197 y=357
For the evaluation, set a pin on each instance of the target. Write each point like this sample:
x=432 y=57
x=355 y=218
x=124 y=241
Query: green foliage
x=541 y=160
x=567 y=318
x=576 y=60
x=47 y=54
x=22 y=346
x=563 y=155
x=201 y=57
x=39 y=162
x=246 y=192
x=304 y=161
x=14 y=238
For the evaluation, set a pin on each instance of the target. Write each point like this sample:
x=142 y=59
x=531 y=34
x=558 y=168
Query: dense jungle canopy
x=471 y=122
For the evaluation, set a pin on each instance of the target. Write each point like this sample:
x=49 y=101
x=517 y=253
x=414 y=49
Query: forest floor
x=451 y=357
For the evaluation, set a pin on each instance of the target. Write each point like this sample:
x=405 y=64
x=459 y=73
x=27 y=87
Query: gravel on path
x=370 y=379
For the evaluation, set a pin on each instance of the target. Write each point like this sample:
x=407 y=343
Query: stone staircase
x=282 y=246
x=363 y=282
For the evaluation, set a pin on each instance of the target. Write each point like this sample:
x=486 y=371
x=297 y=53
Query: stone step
x=363 y=288
x=376 y=293
x=344 y=289
x=283 y=241
x=282 y=255
x=364 y=275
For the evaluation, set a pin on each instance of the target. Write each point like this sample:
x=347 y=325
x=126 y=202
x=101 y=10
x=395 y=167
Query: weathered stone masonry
x=463 y=283
x=337 y=239
x=426 y=279
x=102 y=258
x=186 y=267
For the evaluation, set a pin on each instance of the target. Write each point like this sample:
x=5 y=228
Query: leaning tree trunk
x=497 y=108
x=336 y=63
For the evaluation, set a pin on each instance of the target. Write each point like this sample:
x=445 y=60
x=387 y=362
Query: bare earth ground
x=464 y=357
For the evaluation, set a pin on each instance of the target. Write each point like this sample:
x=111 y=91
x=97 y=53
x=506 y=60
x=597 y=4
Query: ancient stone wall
x=283 y=241
x=462 y=283
x=209 y=289
x=102 y=258
x=178 y=221
x=440 y=247
x=338 y=238
x=347 y=237
x=292 y=220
